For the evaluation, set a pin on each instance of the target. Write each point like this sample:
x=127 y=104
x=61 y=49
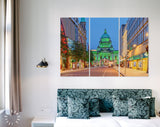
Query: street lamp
x=147 y=34
x=134 y=45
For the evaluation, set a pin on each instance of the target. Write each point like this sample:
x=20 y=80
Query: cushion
x=152 y=106
x=120 y=107
x=78 y=108
x=62 y=107
x=94 y=107
x=138 y=108
x=106 y=105
x=105 y=95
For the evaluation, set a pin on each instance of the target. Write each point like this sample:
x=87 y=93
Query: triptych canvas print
x=104 y=46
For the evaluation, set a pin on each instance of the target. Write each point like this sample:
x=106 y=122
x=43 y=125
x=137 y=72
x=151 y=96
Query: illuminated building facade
x=121 y=39
x=105 y=55
x=123 y=45
x=137 y=43
x=71 y=31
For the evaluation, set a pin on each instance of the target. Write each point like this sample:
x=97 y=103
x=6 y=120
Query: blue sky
x=97 y=27
x=123 y=21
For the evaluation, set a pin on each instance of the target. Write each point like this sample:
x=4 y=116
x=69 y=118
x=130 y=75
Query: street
x=103 y=71
x=94 y=71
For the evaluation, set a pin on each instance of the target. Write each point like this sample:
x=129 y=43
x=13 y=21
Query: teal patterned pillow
x=62 y=107
x=94 y=107
x=78 y=108
x=106 y=105
x=138 y=108
x=120 y=107
x=152 y=107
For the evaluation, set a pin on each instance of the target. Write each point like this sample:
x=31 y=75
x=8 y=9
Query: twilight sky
x=97 y=27
x=123 y=21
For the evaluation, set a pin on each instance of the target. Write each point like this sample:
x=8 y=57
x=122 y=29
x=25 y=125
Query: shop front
x=139 y=62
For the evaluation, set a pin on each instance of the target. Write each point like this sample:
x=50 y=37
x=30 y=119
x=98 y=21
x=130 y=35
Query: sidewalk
x=72 y=70
x=131 y=72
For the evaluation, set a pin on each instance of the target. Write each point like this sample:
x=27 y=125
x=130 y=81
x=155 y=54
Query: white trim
x=89 y=49
x=119 y=46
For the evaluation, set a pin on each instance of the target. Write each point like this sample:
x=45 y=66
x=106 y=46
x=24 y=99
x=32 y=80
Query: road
x=103 y=71
x=94 y=71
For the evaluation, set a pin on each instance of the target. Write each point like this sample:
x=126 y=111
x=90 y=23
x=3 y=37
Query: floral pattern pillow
x=78 y=108
x=104 y=95
x=152 y=106
x=120 y=107
x=94 y=107
x=106 y=105
x=138 y=108
x=62 y=107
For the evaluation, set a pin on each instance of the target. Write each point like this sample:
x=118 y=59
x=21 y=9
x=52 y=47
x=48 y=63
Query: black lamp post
x=147 y=60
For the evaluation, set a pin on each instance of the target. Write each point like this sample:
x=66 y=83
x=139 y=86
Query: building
x=71 y=32
x=104 y=55
x=121 y=40
x=123 y=45
x=137 y=43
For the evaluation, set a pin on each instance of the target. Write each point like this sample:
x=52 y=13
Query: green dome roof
x=105 y=35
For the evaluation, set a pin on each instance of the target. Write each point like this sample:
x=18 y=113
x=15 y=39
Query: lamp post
x=126 y=57
x=147 y=51
x=147 y=59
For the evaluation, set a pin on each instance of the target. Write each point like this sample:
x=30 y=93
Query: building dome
x=105 y=44
x=105 y=37
x=105 y=52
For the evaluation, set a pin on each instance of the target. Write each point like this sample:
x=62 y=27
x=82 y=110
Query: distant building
x=71 y=31
x=123 y=45
x=121 y=41
x=137 y=43
x=105 y=55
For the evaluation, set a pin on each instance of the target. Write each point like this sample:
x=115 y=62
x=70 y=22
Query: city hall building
x=105 y=55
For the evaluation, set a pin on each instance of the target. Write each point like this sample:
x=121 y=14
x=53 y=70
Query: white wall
x=40 y=37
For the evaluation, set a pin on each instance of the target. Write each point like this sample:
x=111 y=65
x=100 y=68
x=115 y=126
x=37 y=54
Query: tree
x=91 y=56
x=77 y=51
x=64 y=51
